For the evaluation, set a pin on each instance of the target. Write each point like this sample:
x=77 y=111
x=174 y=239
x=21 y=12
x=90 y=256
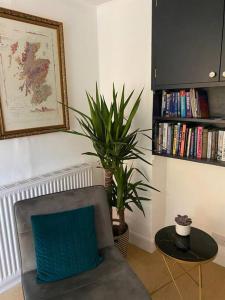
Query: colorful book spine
x=160 y=138
x=195 y=141
x=189 y=142
x=213 y=149
x=220 y=145
x=178 y=138
x=164 y=141
x=163 y=108
x=204 y=142
x=188 y=105
x=178 y=105
x=169 y=140
x=168 y=104
x=223 y=148
x=216 y=143
x=209 y=148
x=172 y=105
x=199 y=142
x=198 y=113
x=183 y=104
x=186 y=141
x=175 y=137
x=183 y=134
x=192 y=143
x=193 y=103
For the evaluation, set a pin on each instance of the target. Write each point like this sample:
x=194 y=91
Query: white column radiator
x=66 y=179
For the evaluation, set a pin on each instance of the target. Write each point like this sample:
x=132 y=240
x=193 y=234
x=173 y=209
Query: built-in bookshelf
x=189 y=124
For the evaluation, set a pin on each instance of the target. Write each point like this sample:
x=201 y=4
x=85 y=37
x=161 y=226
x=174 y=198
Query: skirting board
x=9 y=283
x=220 y=258
x=141 y=242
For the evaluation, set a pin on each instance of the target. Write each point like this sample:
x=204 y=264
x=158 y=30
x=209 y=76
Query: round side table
x=197 y=248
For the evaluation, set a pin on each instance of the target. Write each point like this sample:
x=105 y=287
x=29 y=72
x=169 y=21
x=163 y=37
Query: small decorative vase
x=183 y=230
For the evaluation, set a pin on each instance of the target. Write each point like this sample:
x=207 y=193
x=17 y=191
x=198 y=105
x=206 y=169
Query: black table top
x=197 y=247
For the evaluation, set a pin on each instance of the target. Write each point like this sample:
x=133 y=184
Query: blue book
x=178 y=104
x=174 y=96
x=168 y=104
x=164 y=98
x=178 y=137
x=169 y=139
x=183 y=109
x=192 y=143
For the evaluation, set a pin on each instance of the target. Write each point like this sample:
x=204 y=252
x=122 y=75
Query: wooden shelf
x=202 y=161
x=190 y=120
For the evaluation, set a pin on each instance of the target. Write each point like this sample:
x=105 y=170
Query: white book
x=169 y=139
x=160 y=140
x=209 y=148
x=165 y=134
x=189 y=142
x=220 y=145
x=193 y=101
x=198 y=113
x=163 y=108
x=223 y=147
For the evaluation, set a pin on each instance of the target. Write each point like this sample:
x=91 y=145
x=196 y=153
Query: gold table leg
x=171 y=274
x=175 y=284
x=200 y=281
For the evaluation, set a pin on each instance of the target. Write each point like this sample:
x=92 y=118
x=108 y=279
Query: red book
x=183 y=134
x=199 y=142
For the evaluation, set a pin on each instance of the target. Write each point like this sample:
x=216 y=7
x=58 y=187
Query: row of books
x=191 y=142
x=191 y=103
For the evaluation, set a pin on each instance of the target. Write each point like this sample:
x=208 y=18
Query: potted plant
x=109 y=129
x=126 y=192
x=183 y=225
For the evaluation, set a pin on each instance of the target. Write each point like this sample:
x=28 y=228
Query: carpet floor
x=152 y=272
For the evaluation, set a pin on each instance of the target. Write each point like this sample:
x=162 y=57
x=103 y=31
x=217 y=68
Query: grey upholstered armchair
x=112 y=279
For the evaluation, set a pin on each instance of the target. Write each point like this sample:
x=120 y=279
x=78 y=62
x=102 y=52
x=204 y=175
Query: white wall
x=124 y=35
x=199 y=191
x=29 y=156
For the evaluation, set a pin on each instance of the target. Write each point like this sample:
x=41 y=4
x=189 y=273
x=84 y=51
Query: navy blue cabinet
x=188 y=49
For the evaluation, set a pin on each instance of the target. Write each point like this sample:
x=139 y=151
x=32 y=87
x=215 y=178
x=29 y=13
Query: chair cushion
x=65 y=243
x=112 y=279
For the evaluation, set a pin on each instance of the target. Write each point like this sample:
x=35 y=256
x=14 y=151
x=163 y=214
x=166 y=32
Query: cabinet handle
x=212 y=74
x=223 y=74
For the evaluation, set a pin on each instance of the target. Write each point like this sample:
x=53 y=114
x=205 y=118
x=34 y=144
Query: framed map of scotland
x=32 y=75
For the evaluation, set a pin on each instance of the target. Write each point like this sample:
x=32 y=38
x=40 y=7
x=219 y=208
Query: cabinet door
x=187 y=37
x=222 y=69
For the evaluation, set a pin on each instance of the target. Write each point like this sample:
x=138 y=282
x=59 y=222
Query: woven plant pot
x=121 y=241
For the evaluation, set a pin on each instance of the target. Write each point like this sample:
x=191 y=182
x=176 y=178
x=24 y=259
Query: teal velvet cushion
x=65 y=243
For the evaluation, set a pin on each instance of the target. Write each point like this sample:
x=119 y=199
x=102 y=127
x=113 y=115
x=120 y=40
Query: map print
x=30 y=83
x=34 y=73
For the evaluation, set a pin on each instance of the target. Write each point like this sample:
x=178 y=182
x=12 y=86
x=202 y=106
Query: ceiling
x=96 y=2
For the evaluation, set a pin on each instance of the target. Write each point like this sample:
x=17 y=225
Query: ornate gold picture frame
x=32 y=75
